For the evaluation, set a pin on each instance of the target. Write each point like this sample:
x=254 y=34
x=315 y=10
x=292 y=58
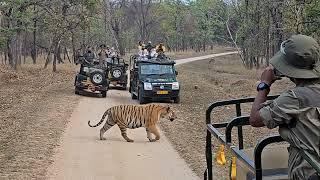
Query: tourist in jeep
x=160 y=49
x=103 y=54
x=89 y=55
x=150 y=48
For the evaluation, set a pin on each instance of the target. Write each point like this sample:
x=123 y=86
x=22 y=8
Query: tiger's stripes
x=134 y=116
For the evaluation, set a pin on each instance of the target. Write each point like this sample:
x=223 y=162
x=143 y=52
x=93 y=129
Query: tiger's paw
x=130 y=140
x=152 y=140
x=102 y=138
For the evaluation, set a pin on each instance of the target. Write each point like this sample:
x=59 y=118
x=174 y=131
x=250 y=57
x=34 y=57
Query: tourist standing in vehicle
x=103 y=54
x=149 y=49
x=89 y=55
x=297 y=111
x=161 y=48
x=108 y=51
x=113 y=52
x=141 y=48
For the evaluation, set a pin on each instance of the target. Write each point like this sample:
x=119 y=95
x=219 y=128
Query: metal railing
x=239 y=121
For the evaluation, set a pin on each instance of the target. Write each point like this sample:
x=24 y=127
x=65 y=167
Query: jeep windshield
x=156 y=69
x=157 y=72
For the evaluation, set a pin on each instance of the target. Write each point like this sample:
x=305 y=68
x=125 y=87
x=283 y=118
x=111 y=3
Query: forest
x=56 y=29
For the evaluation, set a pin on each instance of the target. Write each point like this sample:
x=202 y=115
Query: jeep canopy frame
x=239 y=121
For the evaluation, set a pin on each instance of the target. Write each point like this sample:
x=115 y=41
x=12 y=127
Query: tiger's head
x=169 y=113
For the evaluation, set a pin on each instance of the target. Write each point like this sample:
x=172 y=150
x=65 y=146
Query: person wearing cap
x=297 y=111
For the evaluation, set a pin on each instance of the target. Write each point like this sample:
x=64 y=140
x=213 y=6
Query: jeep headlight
x=147 y=86
x=175 y=86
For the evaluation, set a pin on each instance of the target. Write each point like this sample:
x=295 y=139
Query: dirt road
x=83 y=156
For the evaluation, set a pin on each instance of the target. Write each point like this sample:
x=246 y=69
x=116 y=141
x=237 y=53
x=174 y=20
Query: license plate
x=162 y=92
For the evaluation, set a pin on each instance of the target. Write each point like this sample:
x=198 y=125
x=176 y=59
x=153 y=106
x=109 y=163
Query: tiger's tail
x=103 y=117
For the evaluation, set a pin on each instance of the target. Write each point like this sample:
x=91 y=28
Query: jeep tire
x=176 y=100
x=104 y=94
x=76 y=91
x=116 y=73
x=97 y=77
x=142 y=100
x=133 y=96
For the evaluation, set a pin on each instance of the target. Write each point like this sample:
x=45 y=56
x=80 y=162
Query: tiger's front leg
x=149 y=135
x=154 y=130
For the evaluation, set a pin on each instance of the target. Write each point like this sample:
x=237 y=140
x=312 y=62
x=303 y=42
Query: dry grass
x=223 y=78
x=35 y=105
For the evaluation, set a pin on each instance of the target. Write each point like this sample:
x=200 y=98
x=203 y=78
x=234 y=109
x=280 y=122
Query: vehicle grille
x=166 y=87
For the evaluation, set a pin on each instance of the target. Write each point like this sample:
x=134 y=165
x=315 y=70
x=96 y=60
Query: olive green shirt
x=297 y=114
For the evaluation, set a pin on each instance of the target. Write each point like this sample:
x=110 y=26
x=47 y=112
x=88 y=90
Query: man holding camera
x=297 y=111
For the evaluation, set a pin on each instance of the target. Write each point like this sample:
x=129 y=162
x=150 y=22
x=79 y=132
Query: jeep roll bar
x=212 y=129
x=239 y=121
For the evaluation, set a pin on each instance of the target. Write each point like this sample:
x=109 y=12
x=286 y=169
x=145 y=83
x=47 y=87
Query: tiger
x=135 y=116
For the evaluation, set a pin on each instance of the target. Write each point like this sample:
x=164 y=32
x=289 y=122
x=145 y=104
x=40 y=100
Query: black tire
x=124 y=87
x=133 y=96
x=130 y=87
x=76 y=91
x=116 y=73
x=176 y=100
x=104 y=94
x=75 y=81
x=142 y=100
x=97 y=77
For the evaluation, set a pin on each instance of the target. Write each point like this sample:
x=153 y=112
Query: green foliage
x=312 y=18
x=255 y=27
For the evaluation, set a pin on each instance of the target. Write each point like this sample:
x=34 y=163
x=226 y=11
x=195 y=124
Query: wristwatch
x=263 y=86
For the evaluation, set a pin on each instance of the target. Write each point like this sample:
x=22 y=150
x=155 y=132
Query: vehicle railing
x=212 y=129
x=240 y=121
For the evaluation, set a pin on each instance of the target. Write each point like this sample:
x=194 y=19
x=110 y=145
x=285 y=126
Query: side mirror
x=176 y=73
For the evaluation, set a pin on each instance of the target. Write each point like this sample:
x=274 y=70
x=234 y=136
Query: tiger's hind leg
x=154 y=130
x=109 y=123
x=123 y=130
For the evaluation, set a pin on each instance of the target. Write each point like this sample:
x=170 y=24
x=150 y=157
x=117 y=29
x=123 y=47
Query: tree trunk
x=34 y=47
x=19 y=49
x=58 y=52
x=9 y=52
x=48 y=56
x=25 y=48
x=67 y=54
x=73 y=48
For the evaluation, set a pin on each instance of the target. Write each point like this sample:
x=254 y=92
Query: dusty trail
x=83 y=156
